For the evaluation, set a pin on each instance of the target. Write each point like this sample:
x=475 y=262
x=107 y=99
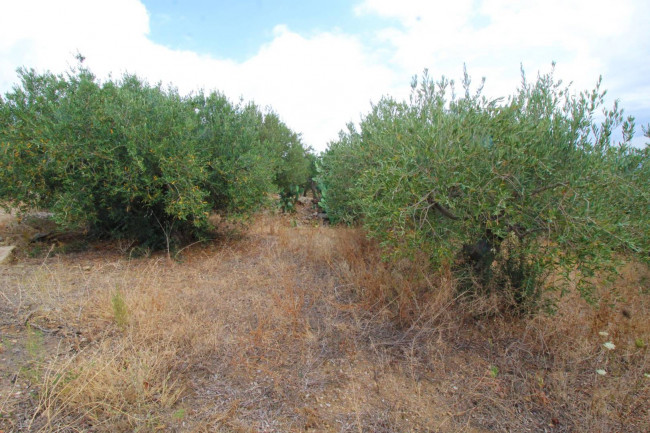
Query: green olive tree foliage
x=506 y=192
x=312 y=173
x=339 y=170
x=291 y=159
x=239 y=166
x=127 y=159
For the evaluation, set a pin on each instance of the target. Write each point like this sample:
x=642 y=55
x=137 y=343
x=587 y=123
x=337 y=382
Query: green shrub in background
x=310 y=181
x=239 y=167
x=339 y=169
x=127 y=159
x=289 y=198
x=506 y=192
x=291 y=160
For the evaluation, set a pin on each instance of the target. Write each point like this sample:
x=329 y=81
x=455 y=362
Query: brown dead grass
x=304 y=329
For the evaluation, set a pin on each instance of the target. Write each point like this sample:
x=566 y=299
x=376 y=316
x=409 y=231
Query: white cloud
x=586 y=38
x=315 y=83
x=319 y=82
x=45 y=34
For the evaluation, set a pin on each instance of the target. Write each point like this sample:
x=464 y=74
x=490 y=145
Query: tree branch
x=545 y=188
x=443 y=210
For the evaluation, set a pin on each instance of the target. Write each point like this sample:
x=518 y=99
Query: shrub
x=505 y=191
x=290 y=158
x=127 y=159
x=238 y=167
x=339 y=169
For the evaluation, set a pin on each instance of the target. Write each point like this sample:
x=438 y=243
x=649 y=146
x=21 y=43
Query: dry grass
x=304 y=329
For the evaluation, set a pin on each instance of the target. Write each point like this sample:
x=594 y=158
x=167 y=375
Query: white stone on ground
x=5 y=254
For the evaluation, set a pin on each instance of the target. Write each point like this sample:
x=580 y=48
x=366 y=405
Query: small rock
x=5 y=254
x=86 y=268
x=41 y=215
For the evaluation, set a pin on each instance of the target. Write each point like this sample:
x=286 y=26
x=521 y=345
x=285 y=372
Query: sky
x=320 y=64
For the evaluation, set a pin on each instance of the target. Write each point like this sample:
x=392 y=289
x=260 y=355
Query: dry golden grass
x=304 y=328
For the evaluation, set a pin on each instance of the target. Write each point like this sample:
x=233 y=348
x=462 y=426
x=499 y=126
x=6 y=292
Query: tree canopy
x=506 y=191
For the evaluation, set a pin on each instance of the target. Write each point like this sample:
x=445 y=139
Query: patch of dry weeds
x=299 y=327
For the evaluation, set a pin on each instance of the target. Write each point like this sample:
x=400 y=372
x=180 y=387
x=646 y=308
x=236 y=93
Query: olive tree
x=124 y=158
x=508 y=192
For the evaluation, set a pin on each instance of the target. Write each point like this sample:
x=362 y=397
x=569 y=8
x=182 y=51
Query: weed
x=34 y=343
x=75 y=246
x=138 y=252
x=120 y=311
x=31 y=370
x=298 y=328
x=179 y=414
x=36 y=251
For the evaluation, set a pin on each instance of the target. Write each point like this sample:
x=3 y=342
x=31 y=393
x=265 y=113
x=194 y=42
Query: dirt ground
x=286 y=328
